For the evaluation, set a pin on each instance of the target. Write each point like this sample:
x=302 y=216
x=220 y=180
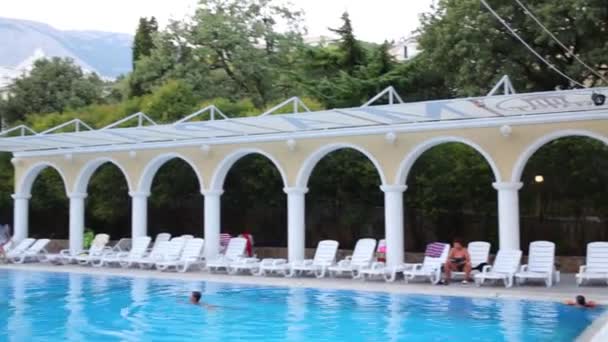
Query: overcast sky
x=373 y=20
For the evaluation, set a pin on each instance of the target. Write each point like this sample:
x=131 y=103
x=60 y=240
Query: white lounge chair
x=155 y=255
x=596 y=263
x=123 y=245
x=138 y=250
x=171 y=253
x=19 y=248
x=234 y=251
x=505 y=265
x=160 y=237
x=479 y=252
x=34 y=253
x=191 y=255
x=362 y=257
x=325 y=256
x=99 y=247
x=430 y=267
x=541 y=263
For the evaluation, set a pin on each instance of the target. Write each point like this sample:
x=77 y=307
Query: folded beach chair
x=34 y=253
x=362 y=257
x=541 y=263
x=249 y=264
x=596 y=263
x=380 y=270
x=325 y=256
x=171 y=253
x=435 y=257
x=138 y=250
x=479 y=252
x=192 y=254
x=267 y=266
x=98 y=248
x=234 y=251
x=155 y=255
x=19 y=248
x=505 y=265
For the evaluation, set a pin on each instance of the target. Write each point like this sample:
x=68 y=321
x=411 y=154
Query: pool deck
x=564 y=290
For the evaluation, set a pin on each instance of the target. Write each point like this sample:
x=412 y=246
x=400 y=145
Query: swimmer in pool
x=195 y=298
x=582 y=302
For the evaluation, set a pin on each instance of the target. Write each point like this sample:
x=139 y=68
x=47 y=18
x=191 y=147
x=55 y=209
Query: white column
x=212 y=222
x=139 y=213
x=77 y=221
x=20 y=216
x=296 y=224
x=393 y=223
x=508 y=214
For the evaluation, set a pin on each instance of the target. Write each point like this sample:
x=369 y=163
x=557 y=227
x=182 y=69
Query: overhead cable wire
x=559 y=42
x=518 y=37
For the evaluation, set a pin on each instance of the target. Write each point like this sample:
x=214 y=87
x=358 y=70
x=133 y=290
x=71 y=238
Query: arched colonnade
x=393 y=154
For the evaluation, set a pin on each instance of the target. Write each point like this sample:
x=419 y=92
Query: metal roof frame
x=370 y=116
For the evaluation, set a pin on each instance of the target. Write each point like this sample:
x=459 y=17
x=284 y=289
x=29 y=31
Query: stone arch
x=523 y=158
x=311 y=161
x=411 y=158
x=147 y=176
x=28 y=178
x=87 y=171
x=219 y=175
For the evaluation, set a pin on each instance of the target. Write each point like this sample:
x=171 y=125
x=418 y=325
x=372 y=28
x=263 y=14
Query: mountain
x=23 y=41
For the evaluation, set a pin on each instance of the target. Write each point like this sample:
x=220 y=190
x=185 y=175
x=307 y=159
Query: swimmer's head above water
x=195 y=297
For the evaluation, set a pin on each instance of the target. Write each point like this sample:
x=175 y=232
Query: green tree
x=53 y=85
x=470 y=47
x=143 y=41
x=170 y=102
x=353 y=54
x=229 y=49
x=143 y=44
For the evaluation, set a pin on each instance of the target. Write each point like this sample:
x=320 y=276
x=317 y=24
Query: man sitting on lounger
x=459 y=260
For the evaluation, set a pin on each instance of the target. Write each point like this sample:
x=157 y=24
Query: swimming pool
x=76 y=307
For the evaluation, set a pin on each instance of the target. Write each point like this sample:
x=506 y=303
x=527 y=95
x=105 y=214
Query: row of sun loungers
x=186 y=252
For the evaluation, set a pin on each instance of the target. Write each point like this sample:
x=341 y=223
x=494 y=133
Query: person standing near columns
x=5 y=239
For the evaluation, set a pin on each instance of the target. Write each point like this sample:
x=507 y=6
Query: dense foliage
x=232 y=53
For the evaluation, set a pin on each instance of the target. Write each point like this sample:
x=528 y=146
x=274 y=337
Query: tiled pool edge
x=597 y=331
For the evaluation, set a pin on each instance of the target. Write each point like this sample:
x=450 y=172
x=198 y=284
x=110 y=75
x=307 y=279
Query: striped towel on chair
x=224 y=240
x=434 y=249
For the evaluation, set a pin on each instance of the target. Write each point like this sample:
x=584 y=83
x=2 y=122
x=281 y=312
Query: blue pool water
x=74 y=307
